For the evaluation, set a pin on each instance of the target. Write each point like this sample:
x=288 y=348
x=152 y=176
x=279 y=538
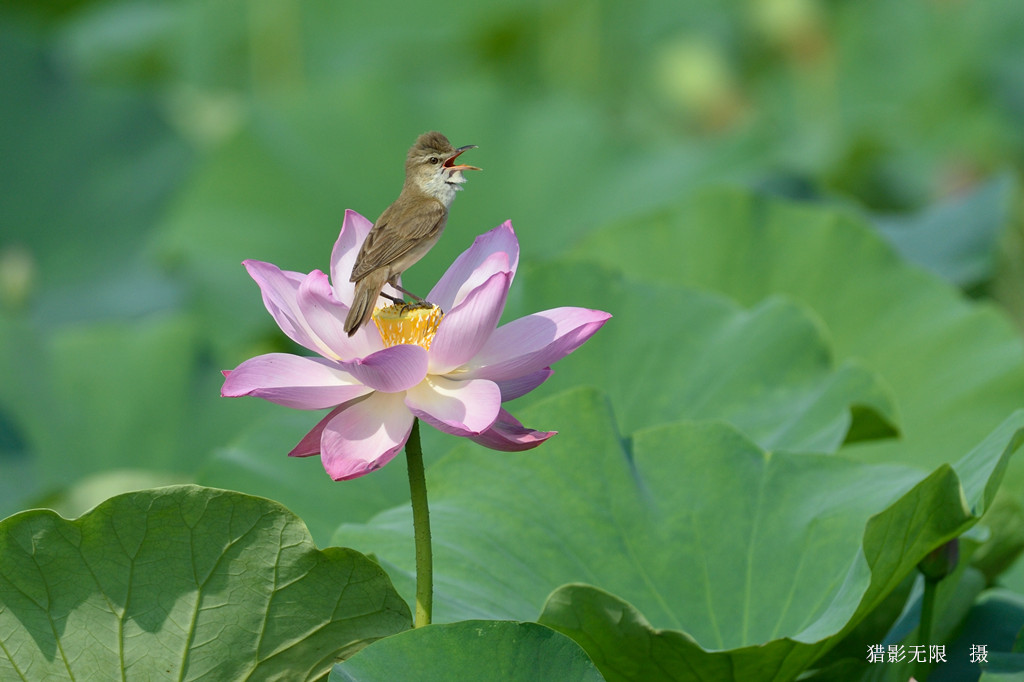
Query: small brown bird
x=408 y=228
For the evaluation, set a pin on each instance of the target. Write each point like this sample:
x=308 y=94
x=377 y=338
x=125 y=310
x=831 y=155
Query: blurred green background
x=149 y=147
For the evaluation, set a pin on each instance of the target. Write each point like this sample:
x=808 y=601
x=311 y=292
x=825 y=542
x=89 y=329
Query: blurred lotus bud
x=17 y=276
x=941 y=561
x=693 y=75
x=204 y=117
x=794 y=25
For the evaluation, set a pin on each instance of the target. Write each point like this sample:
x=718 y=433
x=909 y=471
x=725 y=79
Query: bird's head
x=432 y=168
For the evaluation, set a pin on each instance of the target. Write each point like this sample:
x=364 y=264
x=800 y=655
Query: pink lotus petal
x=461 y=408
x=391 y=370
x=293 y=381
x=280 y=291
x=310 y=443
x=520 y=386
x=509 y=435
x=466 y=329
x=325 y=317
x=533 y=342
x=364 y=435
x=354 y=229
x=492 y=265
x=476 y=264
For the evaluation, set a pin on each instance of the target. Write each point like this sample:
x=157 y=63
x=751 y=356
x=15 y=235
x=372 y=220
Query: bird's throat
x=443 y=186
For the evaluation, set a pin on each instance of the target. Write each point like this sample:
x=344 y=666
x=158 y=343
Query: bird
x=408 y=228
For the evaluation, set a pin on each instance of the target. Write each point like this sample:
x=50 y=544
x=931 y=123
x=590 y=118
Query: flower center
x=410 y=324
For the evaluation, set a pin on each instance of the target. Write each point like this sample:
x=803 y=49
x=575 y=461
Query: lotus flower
x=453 y=370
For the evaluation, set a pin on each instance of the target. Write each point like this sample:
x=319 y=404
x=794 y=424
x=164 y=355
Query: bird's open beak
x=450 y=161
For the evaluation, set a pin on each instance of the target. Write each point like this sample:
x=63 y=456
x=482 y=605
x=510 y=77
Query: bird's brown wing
x=396 y=232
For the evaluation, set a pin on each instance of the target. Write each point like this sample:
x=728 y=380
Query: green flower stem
x=924 y=631
x=421 y=528
x=935 y=567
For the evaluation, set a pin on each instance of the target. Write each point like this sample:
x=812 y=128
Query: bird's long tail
x=364 y=300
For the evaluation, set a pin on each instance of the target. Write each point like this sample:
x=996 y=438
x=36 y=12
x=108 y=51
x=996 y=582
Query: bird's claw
x=416 y=305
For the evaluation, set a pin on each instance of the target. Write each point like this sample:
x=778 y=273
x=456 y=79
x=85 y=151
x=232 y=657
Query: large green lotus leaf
x=183 y=582
x=848 y=659
x=480 y=650
x=730 y=647
x=956 y=367
x=767 y=557
x=689 y=354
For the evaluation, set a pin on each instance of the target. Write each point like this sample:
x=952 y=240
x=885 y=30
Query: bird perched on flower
x=453 y=371
x=410 y=226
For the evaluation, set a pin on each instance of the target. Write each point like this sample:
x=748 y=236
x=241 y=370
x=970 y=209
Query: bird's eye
x=434 y=160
